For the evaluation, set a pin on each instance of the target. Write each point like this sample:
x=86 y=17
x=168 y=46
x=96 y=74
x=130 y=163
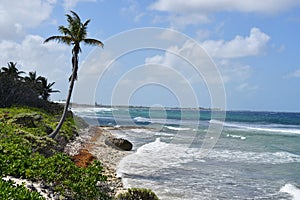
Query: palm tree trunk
x=72 y=81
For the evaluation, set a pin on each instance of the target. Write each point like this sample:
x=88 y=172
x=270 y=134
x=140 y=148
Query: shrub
x=21 y=149
x=10 y=191
x=137 y=194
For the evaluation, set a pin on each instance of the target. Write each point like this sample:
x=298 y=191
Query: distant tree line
x=29 y=90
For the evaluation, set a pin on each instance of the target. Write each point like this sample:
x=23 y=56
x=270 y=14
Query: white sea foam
x=214 y=121
x=157 y=155
x=142 y=119
x=278 y=130
x=164 y=134
x=177 y=128
x=254 y=157
x=141 y=130
x=291 y=190
x=152 y=147
x=266 y=128
x=92 y=109
x=155 y=120
x=152 y=157
x=236 y=136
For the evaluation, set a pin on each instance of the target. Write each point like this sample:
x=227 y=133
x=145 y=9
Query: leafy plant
x=8 y=190
x=20 y=156
x=137 y=194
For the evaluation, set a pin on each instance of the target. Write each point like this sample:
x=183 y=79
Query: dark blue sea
x=191 y=154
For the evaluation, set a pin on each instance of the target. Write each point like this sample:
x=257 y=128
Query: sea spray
x=291 y=190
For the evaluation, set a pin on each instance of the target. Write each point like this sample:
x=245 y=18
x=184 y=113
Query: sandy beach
x=92 y=140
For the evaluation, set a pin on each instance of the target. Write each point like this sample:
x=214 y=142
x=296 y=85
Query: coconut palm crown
x=74 y=34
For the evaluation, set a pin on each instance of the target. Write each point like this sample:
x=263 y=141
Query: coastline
x=92 y=139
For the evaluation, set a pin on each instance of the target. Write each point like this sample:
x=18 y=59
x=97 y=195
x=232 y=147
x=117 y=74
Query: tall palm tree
x=73 y=34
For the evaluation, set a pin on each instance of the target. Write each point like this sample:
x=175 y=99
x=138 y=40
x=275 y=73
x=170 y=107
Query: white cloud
x=133 y=8
x=17 y=16
x=204 y=6
x=70 y=4
x=202 y=34
x=233 y=74
x=50 y=60
x=295 y=74
x=252 y=45
x=197 y=11
x=246 y=87
x=192 y=63
x=179 y=21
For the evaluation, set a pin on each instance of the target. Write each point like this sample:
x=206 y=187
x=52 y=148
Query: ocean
x=191 y=154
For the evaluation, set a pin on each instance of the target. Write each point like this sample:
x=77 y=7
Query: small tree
x=74 y=34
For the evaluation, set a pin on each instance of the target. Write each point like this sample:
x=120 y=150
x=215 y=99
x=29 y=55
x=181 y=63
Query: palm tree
x=32 y=78
x=40 y=85
x=12 y=71
x=74 y=34
x=44 y=88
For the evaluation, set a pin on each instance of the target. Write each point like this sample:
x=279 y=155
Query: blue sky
x=253 y=45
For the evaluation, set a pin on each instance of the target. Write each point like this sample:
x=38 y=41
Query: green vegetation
x=74 y=34
x=137 y=194
x=19 y=90
x=10 y=191
x=26 y=152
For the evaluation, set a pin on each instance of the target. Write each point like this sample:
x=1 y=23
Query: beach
x=92 y=139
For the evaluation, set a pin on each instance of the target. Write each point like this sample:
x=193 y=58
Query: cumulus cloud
x=17 y=16
x=32 y=53
x=51 y=60
x=194 y=66
x=246 y=87
x=189 y=61
x=267 y=6
x=295 y=74
x=70 y=4
x=252 y=45
x=133 y=8
x=233 y=74
x=193 y=12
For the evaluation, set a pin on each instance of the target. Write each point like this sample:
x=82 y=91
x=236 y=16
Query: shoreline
x=93 y=139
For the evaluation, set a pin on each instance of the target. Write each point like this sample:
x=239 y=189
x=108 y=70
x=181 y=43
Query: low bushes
x=22 y=155
x=10 y=191
x=137 y=194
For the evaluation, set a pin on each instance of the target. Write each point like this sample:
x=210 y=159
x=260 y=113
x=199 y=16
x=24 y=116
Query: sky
x=230 y=54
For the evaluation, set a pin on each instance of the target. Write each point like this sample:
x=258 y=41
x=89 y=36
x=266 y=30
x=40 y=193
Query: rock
x=119 y=143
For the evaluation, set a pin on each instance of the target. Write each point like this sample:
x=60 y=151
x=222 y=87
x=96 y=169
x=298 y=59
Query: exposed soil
x=83 y=159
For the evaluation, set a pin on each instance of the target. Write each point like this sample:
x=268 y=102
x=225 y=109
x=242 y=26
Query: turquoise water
x=255 y=156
